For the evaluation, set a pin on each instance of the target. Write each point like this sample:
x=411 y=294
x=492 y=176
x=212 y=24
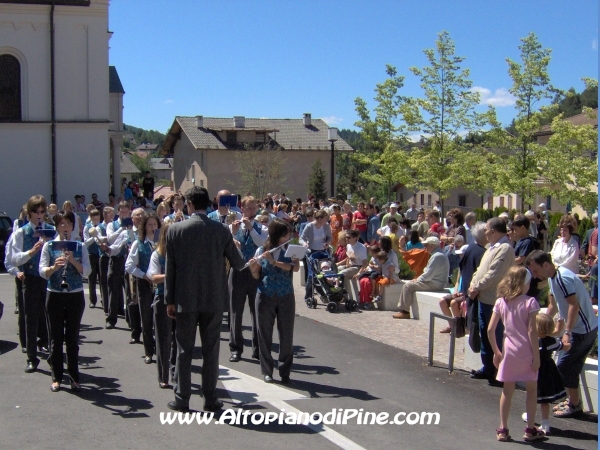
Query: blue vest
x=32 y=266
x=93 y=249
x=144 y=254
x=102 y=228
x=248 y=246
x=124 y=249
x=160 y=288
x=275 y=281
x=73 y=276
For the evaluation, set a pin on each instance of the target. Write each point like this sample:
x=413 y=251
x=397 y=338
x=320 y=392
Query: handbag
x=461 y=327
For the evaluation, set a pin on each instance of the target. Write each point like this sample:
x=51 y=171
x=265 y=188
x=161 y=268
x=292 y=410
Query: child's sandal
x=533 y=434
x=560 y=405
x=502 y=434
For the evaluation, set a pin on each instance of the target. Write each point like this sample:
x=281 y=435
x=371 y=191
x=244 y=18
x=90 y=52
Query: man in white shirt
x=433 y=278
x=357 y=259
x=251 y=235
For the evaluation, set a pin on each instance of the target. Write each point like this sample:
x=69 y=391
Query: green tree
x=442 y=115
x=518 y=154
x=383 y=156
x=569 y=164
x=317 y=180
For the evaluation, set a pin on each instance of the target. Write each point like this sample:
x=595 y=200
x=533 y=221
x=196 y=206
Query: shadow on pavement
x=7 y=346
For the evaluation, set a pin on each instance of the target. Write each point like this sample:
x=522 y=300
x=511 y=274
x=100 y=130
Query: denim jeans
x=487 y=353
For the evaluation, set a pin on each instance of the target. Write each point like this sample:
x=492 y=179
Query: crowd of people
x=166 y=265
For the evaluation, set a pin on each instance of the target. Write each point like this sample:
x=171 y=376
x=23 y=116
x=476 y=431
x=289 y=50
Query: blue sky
x=282 y=58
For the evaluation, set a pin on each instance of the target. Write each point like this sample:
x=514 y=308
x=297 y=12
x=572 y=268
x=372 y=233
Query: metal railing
x=452 y=321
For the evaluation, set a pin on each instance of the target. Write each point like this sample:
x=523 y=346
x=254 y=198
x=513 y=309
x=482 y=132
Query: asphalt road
x=120 y=403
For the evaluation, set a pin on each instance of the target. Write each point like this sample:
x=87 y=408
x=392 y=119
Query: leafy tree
x=569 y=164
x=317 y=180
x=518 y=155
x=259 y=170
x=141 y=163
x=383 y=157
x=442 y=115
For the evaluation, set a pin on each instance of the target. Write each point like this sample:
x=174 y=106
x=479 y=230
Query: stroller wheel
x=309 y=302
x=348 y=305
x=353 y=304
x=332 y=307
x=314 y=304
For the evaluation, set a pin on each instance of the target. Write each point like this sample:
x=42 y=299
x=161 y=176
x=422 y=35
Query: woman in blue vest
x=163 y=324
x=64 y=301
x=275 y=300
x=137 y=264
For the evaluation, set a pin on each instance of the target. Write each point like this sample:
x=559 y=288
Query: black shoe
x=135 y=341
x=215 y=405
x=43 y=348
x=480 y=375
x=255 y=356
x=268 y=379
x=54 y=388
x=495 y=383
x=235 y=357
x=109 y=326
x=285 y=379
x=23 y=350
x=176 y=407
x=31 y=367
x=147 y=359
x=92 y=305
x=16 y=310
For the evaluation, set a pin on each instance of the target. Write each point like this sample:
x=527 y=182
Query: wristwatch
x=568 y=332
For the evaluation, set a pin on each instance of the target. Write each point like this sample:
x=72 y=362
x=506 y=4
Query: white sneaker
x=524 y=417
x=545 y=428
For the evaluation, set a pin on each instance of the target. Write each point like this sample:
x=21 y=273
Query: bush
x=406 y=272
x=584 y=225
x=554 y=219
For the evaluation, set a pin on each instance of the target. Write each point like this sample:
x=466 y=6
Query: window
x=490 y=202
x=462 y=200
x=231 y=137
x=422 y=199
x=428 y=199
x=260 y=137
x=502 y=202
x=201 y=183
x=549 y=202
x=193 y=170
x=10 y=88
x=510 y=206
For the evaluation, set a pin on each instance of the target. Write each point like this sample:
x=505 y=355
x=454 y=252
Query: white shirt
x=385 y=231
x=133 y=259
x=566 y=254
x=8 y=265
x=259 y=239
x=318 y=238
x=359 y=251
x=45 y=263
x=111 y=233
x=154 y=267
x=118 y=243
x=282 y=215
x=87 y=239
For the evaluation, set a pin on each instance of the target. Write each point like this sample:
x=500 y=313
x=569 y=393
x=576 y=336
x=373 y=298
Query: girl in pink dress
x=520 y=359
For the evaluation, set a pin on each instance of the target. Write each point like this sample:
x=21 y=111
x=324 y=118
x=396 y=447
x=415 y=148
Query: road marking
x=243 y=389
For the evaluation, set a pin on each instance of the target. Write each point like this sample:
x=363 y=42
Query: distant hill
x=141 y=136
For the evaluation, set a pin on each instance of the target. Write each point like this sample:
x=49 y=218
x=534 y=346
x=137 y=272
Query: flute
x=262 y=256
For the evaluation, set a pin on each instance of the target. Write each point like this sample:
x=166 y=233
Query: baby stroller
x=327 y=286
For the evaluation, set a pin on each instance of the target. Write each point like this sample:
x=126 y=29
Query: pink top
x=518 y=355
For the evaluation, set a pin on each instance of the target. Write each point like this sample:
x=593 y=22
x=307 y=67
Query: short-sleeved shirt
x=525 y=246
x=360 y=216
x=564 y=284
x=357 y=252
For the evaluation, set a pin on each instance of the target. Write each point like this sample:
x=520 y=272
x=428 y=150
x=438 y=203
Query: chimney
x=307 y=120
x=239 y=121
x=199 y=122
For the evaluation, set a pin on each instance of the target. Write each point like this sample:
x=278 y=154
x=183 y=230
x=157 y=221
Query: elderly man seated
x=434 y=278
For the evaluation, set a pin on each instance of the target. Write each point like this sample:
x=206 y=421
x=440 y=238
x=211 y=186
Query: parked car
x=5 y=232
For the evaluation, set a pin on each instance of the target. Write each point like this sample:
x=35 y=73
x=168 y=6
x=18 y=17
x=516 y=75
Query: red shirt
x=340 y=253
x=360 y=216
x=346 y=221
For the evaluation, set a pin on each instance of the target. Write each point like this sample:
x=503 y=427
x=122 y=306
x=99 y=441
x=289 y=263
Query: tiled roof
x=114 y=82
x=165 y=191
x=161 y=163
x=578 y=120
x=127 y=166
x=147 y=147
x=291 y=134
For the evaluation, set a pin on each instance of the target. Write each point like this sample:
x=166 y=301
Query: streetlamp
x=332 y=136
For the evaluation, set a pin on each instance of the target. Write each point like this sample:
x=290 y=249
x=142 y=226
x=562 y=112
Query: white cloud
x=168 y=101
x=500 y=97
x=332 y=120
x=595 y=44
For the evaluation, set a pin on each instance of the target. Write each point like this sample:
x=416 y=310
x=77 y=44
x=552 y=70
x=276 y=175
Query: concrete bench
x=299 y=276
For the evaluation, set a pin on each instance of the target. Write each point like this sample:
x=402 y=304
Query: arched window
x=10 y=88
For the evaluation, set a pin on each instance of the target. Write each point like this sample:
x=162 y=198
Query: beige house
x=459 y=198
x=162 y=168
x=205 y=150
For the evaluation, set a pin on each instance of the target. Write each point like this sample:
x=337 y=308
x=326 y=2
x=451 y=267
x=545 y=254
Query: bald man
x=220 y=215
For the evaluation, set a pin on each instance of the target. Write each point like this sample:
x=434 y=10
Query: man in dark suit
x=196 y=292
